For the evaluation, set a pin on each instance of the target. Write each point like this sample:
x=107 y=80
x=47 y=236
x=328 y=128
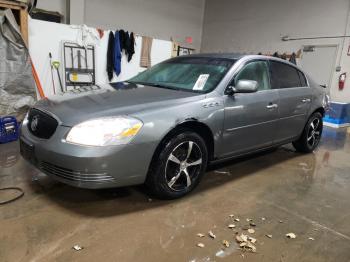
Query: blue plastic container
x=8 y=129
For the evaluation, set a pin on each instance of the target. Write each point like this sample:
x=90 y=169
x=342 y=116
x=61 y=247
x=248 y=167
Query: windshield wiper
x=153 y=84
x=163 y=86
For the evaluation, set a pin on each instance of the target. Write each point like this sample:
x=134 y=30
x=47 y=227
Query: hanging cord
x=21 y=194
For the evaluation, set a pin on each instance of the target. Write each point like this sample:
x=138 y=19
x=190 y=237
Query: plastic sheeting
x=17 y=87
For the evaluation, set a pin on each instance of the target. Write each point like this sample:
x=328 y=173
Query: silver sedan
x=165 y=125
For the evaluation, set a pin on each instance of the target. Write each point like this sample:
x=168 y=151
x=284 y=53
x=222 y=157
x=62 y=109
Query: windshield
x=188 y=74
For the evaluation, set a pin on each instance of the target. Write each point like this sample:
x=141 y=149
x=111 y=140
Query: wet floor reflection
x=334 y=139
x=281 y=185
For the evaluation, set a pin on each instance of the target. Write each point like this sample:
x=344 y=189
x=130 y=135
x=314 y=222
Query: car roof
x=238 y=56
x=233 y=56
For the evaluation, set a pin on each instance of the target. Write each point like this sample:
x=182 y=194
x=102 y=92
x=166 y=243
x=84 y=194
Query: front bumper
x=87 y=167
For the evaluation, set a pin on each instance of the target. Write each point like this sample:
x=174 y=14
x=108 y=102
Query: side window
x=302 y=79
x=284 y=76
x=257 y=71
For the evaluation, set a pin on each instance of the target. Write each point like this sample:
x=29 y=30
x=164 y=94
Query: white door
x=319 y=63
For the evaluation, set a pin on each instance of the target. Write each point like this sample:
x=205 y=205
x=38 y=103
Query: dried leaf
x=252 y=240
x=200 y=235
x=269 y=236
x=291 y=235
x=201 y=245
x=242 y=238
x=226 y=243
x=211 y=234
x=231 y=226
x=77 y=248
x=250 y=247
x=251 y=231
x=243 y=244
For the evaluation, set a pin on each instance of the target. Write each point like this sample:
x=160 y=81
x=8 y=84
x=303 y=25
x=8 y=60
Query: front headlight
x=25 y=119
x=105 y=131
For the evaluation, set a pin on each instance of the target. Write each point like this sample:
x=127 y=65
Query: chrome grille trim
x=77 y=176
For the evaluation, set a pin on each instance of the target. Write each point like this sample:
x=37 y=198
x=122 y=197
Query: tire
x=176 y=172
x=311 y=135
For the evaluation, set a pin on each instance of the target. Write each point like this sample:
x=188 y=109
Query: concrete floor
x=308 y=193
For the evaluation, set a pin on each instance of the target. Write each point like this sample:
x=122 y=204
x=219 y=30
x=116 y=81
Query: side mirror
x=243 y=86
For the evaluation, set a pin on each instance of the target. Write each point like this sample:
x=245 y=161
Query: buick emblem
x=35 y=122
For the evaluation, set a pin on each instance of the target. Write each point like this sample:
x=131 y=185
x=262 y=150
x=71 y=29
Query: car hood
x=111 y=100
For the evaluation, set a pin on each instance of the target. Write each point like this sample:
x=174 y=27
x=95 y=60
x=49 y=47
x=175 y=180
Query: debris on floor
x=252 y=240
x=263 y=218
x=231 y=216
x=211 y=234
x=226 y=243
x=311 y=238
x=237 y=219
x=245 y=243
x=269 y=236
x=291 y=235
x=201 y=245
x=200 y=235
x=252 y=224
x=77 y=248
x=251 y=231
x=231 y=226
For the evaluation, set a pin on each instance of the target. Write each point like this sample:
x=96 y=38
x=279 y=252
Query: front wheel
x=311 y=135
x=179 y=167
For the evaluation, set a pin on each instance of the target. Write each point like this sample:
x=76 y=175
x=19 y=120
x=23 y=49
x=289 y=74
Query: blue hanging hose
x=21 y=194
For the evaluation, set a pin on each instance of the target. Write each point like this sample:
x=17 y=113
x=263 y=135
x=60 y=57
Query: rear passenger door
x=295 y=99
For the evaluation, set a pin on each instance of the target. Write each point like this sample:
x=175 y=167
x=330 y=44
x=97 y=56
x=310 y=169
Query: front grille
x=41 y=124
x=75 y=175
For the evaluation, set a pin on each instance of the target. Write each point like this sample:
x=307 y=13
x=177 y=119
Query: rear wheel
x=311 y=136
x=179 y=167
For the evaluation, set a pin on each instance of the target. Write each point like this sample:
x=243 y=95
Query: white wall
x=77 y=12
x=45 y=37
x=160 y=19
x=252 y=26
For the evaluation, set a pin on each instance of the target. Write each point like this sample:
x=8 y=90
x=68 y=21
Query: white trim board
x=336 y=125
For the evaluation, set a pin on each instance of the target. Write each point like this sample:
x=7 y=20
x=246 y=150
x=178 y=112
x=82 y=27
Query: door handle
x=272 y=106
x=306 y=100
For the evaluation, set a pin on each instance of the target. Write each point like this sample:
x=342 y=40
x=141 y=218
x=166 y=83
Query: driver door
x=250 y=118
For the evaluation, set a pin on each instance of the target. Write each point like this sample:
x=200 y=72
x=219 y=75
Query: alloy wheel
x=183 y=166
x=314 y=133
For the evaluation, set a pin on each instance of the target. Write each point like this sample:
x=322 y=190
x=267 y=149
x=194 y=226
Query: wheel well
x=197 y=127
x=320 y=110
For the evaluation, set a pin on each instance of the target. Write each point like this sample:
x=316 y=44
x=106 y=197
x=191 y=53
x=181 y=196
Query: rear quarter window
x=284 y=76
x=302 y=78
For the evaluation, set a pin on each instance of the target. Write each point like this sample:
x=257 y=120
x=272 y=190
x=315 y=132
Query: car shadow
x=114 y=202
